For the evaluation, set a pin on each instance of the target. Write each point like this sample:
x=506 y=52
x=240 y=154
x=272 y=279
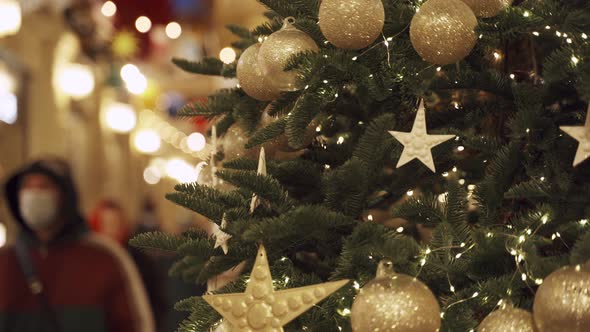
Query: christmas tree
x=443 y=139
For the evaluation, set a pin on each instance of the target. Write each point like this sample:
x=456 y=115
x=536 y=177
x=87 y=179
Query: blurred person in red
x=58 y=277
x=109 y=219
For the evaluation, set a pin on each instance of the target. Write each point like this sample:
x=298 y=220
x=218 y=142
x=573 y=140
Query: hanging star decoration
x=261 y=171
x=262 y=309
x=582 y=135
x=417 y=143
x=221 y=237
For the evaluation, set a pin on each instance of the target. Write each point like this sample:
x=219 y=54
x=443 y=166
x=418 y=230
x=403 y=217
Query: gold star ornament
x=261 y=308
x=582 y=135
x=417 y=143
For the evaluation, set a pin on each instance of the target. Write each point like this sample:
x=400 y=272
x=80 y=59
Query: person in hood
x=58 y=277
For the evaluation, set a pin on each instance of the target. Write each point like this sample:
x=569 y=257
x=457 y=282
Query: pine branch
x=158 y=241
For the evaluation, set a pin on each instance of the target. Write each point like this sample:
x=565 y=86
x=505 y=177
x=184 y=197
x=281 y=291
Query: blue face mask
x=38 y=208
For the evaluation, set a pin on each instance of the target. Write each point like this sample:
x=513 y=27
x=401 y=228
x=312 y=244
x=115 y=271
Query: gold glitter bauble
x=562 y=302
x=443 y=31
x=278 y=49
x=251 y=79
x=509 y=319
x=488 y=8
x=351 y=24
x=395 y=303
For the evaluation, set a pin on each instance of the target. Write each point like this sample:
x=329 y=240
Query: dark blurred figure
x=109 y=219
x=58 y=277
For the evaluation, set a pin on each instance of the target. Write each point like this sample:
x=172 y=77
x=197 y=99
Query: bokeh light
x=227 y=55
x=143 y=24
x=147 y=141
x=76 y=80
x=173 y=30
x=120 y=118
x=196 y=142
x=108 y=9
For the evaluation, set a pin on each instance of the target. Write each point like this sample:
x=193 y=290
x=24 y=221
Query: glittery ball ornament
x=251 y=79
x=508 y=319
x=276 y=52
x=351 y=24
x=443 y=31
x=562 y=302
x=395 y=303
x=488 y=8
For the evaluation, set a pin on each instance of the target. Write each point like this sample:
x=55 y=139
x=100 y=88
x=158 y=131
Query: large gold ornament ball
x=251 y=79
x=276 y=51
x=351 y=24
x=395 y=303
x=509 y=319
x=562 y=302
x=443 y=31
x=488 y=8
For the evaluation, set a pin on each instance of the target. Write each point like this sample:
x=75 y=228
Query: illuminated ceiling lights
x=120 y=117
x=143 y=24
x=108 y=9
x=10 y=17
x=227 y=55
x=147 y=141
x=135 y=81
x=76 y=80
x=173 y=30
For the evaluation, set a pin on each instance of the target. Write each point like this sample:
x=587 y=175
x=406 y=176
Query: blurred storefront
x=92 y=82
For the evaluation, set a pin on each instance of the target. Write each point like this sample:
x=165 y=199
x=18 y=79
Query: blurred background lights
x=10 y=17
x=181 y=171
x=2 y=235
x=147 y=141
x=173 y=30
x=137 y=84
x=196 y=142
x=120 y=117
x=76 y=80
x=152 y=175
x=7 y=83
x=128 y=71
x=8 y=107
x=227 y=55
x=108 y=9
x=143 y=24
x=135 y=81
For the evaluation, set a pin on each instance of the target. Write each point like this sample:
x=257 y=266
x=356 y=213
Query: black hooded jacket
x=60 y=173
x=89 y=283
